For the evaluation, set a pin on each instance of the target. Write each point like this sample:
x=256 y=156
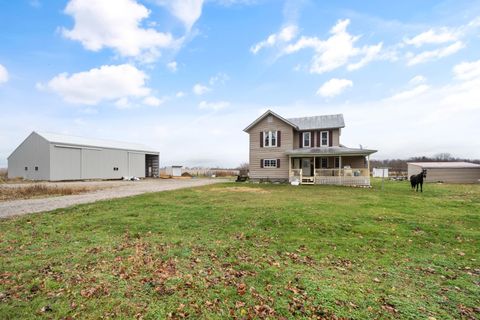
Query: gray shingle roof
x=330 y=151
x=319 y=122
x=93 y=142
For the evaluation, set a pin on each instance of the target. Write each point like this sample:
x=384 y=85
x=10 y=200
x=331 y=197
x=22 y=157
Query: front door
x=307 y=167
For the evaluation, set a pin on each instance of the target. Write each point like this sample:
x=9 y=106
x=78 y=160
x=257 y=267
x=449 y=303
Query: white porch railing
x=346 y=176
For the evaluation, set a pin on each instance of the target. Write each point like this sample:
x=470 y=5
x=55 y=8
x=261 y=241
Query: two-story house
x=305 y=149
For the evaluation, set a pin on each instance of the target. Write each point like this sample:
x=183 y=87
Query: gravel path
x=110 y=190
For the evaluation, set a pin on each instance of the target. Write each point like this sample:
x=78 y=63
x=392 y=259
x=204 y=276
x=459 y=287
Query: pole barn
x=56 y=157
x=450 y=172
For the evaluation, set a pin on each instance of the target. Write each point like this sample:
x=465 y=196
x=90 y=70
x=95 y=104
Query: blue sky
x=187 y=76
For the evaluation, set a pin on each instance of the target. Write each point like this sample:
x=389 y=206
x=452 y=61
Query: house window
x=270 y=138
x=324 y=163
x=324 y=139
x=306 y=139
x=36 y=168
x=270 y=163
x=337 y=162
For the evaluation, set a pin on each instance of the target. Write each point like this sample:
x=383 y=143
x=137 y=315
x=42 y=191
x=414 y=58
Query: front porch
x=332 y=170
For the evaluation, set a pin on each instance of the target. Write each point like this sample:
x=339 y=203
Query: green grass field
x=250 y=251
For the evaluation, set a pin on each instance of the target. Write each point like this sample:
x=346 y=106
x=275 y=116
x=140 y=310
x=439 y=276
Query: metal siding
x=448 y=175
x=93 y=164
x=66 y=163
x=136 y=164
x=33 y=151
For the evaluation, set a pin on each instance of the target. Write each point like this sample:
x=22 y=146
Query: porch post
x=340 y=165
x=314 y=170
x=289 y=167
x=368 y=165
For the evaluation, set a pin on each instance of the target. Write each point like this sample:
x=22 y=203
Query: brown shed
x=450 y=172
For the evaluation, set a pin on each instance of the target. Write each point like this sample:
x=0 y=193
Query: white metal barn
x=56 y=157
x=380 y=172
x=451 y=172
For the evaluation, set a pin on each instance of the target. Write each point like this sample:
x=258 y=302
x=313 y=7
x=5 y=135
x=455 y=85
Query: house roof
x=330 y=151
x=306 y=123
x=269 y=112
x=93 y=142
x=445 y=165
x=319 y=122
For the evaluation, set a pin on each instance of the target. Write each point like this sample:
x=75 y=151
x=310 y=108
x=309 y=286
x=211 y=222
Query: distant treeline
x=401 y=164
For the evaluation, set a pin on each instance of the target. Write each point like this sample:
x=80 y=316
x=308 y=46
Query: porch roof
x=330 y=151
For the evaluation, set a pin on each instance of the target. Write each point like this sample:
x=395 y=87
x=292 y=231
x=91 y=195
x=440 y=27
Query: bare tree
x=244 y=168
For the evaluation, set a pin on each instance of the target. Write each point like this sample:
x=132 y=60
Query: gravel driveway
x=109 y=190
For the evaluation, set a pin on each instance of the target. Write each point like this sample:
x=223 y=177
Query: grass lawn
x=250 y=251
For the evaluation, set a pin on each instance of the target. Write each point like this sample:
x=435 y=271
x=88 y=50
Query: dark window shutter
x=261 y=163
x=312 y=139
x=279 y=138
x=278 y=163
x=301 y=139
x=318 y=138
x=330 y=138
x=261 y=139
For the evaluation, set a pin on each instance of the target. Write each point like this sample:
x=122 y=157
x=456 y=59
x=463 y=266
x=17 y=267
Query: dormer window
x=324 y=139
x=306 y=140
x=270 y=138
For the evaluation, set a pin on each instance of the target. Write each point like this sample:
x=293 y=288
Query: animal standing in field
x=417 y=179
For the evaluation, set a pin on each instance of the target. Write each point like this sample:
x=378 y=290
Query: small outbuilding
x=380 y=172
x=57 y=157
x=174 y=171
x=450 y=172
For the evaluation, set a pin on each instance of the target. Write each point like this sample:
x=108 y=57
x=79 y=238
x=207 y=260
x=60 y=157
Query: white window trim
x=321 y=138
x=268 y=135
x=271 y=162
x=309 y=139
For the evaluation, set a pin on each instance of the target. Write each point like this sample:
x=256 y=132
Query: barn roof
x=93 y=142
x=445 y=165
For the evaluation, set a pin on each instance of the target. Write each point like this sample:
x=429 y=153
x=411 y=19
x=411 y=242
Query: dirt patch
x=240 y=189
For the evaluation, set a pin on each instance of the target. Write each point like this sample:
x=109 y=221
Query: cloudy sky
x=186 y=76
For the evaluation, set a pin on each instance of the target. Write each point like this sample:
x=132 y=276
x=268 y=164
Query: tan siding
x=335 y=137
x=448 y=175
x=354 y=162
x=257 y=153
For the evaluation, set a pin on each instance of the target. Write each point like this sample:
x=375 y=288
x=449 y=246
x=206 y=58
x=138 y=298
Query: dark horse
x=417 y=179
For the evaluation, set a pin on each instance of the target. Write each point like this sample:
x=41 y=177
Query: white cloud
x=411 y=93
x=218 y=79
x=337 y=50
x=106 y=83
x=123 y=103
x=153 y=101
x=187 y=11
x=467 y=70
x=3 y=74
x=215 y=106
x=180 y=94
x=429 y=55
x=285 y=35
x=418 y=79
x=334 y=87
x=200 y=89
x=432 y=36
x=172 y=66
x=116 y=24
